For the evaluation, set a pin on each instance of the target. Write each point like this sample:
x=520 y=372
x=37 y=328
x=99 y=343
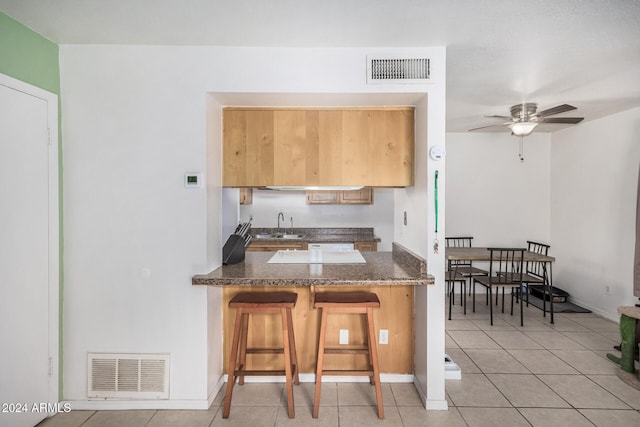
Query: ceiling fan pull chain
x=521 y=154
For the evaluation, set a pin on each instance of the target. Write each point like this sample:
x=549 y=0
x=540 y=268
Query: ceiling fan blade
x=565 y=120
x=500 y=117
x=556 y=110
x=490 y=126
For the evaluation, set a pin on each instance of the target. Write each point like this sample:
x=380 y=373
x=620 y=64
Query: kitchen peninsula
x=392 y=275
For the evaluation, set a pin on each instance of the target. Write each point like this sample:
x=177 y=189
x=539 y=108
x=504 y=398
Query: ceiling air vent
x=142 y=376
x=398 y=70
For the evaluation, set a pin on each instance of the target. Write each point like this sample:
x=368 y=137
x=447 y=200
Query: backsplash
x=402 y=255
x=267 y=204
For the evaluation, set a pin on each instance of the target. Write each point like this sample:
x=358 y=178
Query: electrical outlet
x=344 y=336
x=384 y=336
x=607 y=290
x=405 y=217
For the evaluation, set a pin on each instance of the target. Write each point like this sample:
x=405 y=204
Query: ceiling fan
x=524 y=118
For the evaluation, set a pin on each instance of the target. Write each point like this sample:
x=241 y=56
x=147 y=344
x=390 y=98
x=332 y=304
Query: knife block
x=233 y=250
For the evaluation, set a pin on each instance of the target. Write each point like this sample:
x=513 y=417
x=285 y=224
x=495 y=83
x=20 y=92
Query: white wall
x=492 y=195
x=267 y=204
x=134 y=120
x=594 y=174
x=418 y=235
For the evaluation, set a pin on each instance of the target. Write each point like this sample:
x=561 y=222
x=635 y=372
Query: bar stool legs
x=262 y=303
x=232 y=365
x=350 y=303
x=373 y=357
x=320 y=364
x=289 y=358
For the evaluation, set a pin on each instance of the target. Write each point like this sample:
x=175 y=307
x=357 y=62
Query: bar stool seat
x=349 y=303
x=247 y=303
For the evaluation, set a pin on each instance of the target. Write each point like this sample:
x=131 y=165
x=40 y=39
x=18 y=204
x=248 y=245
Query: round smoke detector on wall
x=437 y=152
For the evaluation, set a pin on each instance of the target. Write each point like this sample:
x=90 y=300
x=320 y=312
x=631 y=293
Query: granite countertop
x=319 y=235
x=399 y=267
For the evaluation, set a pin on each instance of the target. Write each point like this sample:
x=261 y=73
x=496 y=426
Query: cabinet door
x=365 y=246
x=391 y=148
x=323 y=197
x=275 y=246
x=338 y=197
x=247 y=148
x=246 y=196
x=357 y=197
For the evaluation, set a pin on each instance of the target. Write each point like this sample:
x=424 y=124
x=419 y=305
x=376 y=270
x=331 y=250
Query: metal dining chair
x=535 y=272
x=462 y=268
x=505 y=271
x=451 y=278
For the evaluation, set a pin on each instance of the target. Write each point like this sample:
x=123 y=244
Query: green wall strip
x=28 y=56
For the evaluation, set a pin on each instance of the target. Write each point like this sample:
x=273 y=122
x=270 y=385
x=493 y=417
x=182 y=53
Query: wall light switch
x=344 y=336
x=405 y=217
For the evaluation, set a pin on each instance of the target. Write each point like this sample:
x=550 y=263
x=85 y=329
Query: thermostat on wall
x=193 y=180
x=437 y=152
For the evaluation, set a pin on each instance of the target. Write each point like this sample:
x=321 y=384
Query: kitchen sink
x=279 y=236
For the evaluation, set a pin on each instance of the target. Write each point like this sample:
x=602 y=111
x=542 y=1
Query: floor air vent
x=140 y=376
x=398 y=70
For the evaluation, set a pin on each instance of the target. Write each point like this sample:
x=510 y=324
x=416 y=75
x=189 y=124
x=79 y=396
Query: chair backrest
x=506 y=264
x=459 y=242
x=539 y=248
x=537 y=268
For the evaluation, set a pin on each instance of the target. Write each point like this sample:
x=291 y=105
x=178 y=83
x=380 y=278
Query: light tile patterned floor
x=536 y=375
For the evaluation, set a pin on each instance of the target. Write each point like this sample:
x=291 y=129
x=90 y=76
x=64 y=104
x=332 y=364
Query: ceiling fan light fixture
x=522 y=128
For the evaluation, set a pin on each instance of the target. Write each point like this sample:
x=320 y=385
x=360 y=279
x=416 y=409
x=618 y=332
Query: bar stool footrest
x=265 y=351
x=256 y=373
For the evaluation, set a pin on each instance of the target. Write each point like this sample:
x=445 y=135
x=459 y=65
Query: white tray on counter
x=316 y=257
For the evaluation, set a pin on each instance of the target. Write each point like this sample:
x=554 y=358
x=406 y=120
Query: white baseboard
x=311 y=378
x=431 y=405
x=437 y=405
x=215 y=390
x=611 y=316
x=121 y=405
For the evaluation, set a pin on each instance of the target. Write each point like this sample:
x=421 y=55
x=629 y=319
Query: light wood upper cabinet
x=246 y=196
x=298 y=146
x=320 y=197
x=340 y=197
x=363 y=196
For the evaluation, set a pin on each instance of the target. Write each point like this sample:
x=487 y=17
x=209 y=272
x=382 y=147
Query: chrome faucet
x=280 y=215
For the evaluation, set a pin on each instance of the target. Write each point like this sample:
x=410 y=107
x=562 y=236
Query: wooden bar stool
x=350 y=303
x=247 y=303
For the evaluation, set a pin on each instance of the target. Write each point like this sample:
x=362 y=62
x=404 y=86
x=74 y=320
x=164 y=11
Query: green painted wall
x=31 y=58
x=28 y=56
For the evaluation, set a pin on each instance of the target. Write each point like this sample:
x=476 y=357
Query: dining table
x=483 y=254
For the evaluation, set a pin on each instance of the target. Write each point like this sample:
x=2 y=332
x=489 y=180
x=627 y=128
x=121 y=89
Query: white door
x=24 y=257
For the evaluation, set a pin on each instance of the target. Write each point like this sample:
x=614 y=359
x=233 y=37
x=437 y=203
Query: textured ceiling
x=499 y=52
